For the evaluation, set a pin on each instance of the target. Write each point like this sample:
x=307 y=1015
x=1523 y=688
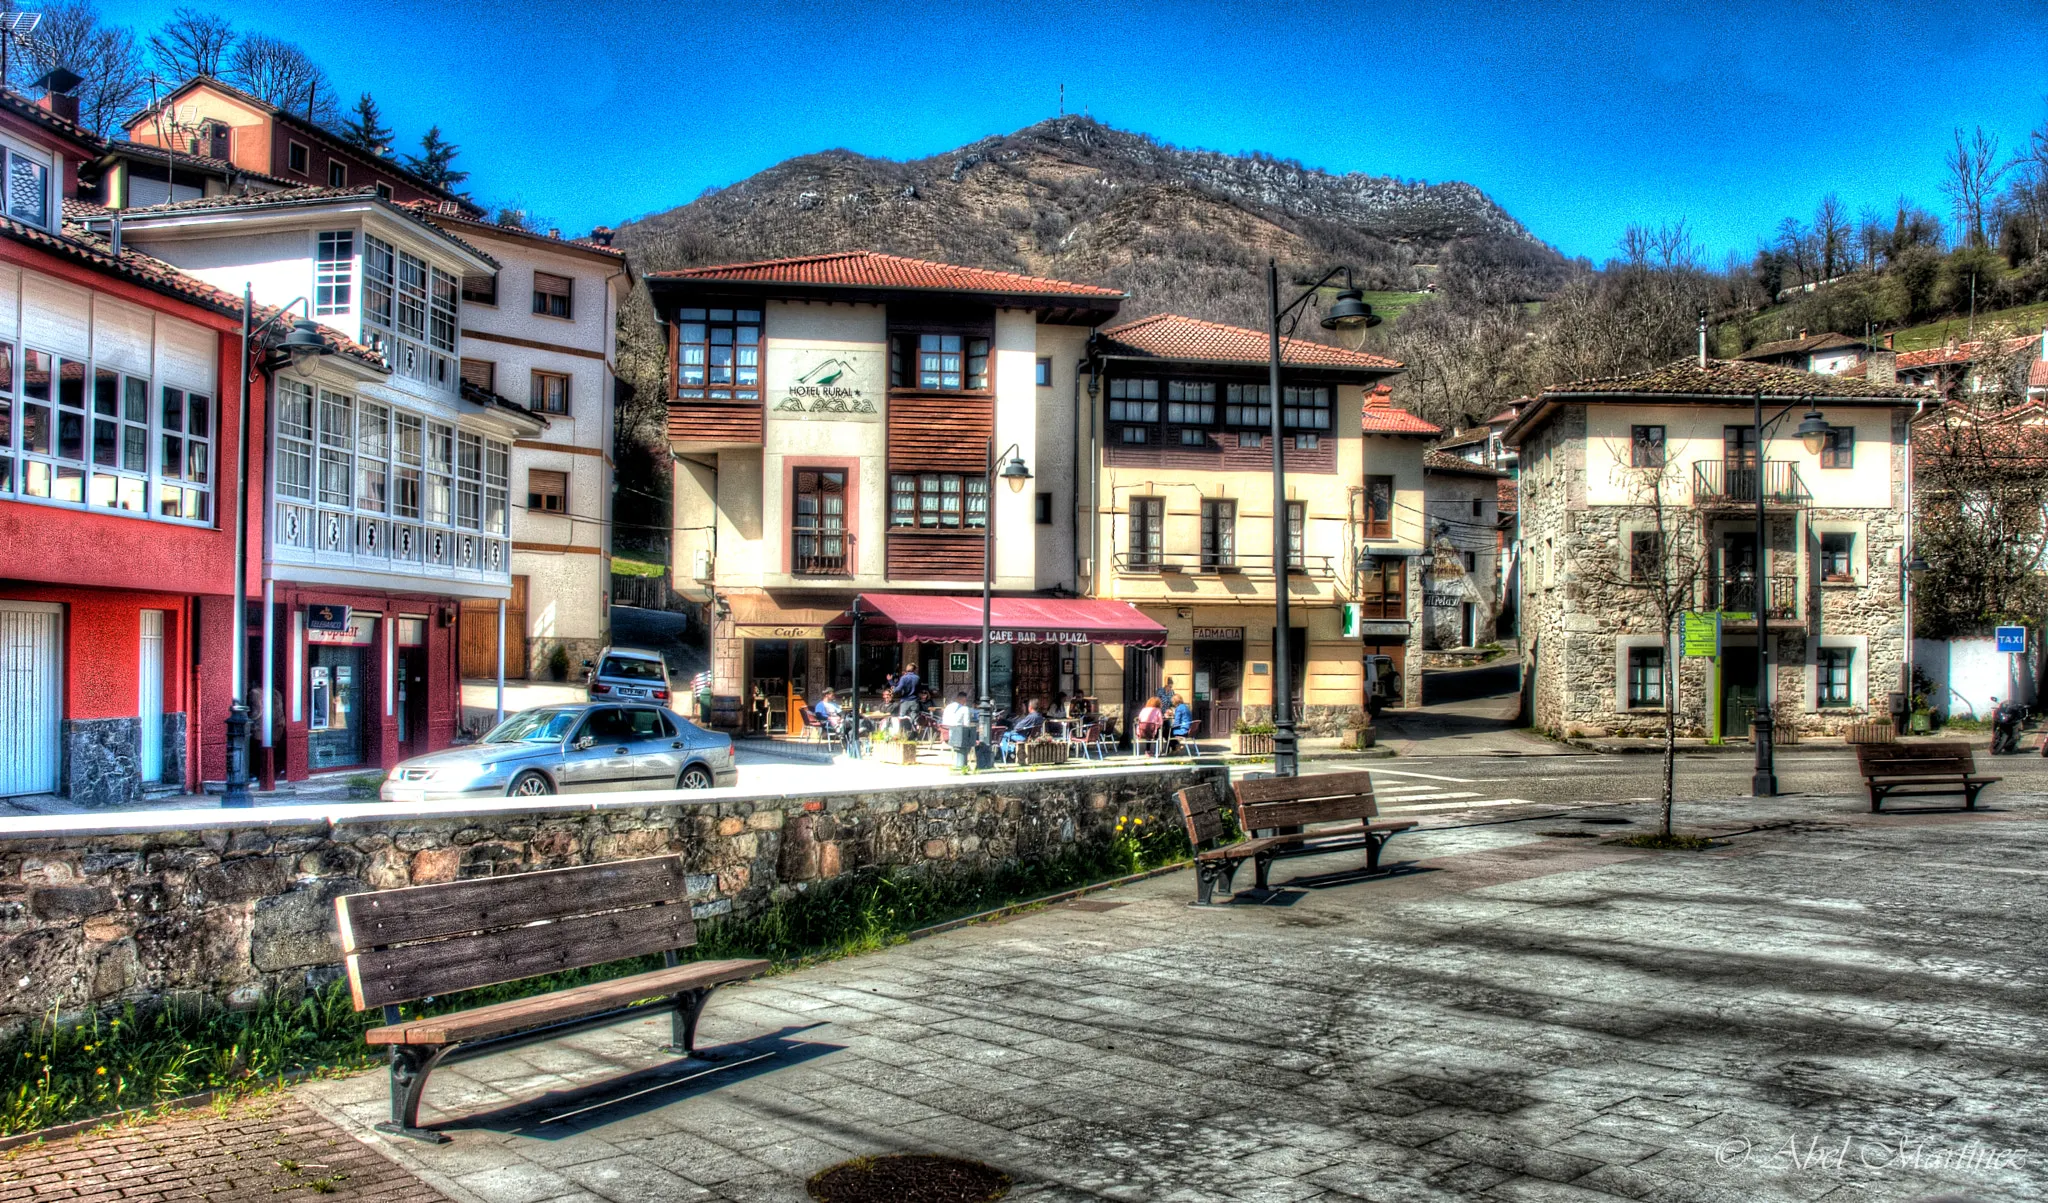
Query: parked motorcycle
x=2005 y=728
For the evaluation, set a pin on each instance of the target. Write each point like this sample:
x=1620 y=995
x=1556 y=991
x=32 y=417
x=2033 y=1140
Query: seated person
x=1027 y=726
x=828 y=712
x=1150 y=719
x=1183 y=717
x=1059 y=707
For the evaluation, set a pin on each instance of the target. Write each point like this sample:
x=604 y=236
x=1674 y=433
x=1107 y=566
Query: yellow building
x=1178 y=519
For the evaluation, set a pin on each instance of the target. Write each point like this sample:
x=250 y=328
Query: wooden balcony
x=1733 y=484
x=711 y=425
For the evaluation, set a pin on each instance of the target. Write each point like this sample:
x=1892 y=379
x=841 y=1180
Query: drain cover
x=908 y=1178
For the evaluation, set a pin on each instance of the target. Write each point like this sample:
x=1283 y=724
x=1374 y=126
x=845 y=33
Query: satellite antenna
x=15 y=27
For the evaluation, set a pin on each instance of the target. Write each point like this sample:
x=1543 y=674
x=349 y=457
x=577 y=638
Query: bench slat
x=1260 y=815
x=414 y=971
x=521 y=1013
x=461 y=907
x=1290 y=789
x=1202 y=813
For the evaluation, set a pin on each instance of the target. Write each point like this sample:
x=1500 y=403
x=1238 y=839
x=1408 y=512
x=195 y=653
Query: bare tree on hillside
x=192 y=43
x=71 y=35
x=1972 y=182
x=1795 y=248
x=282 y=73
x=1659 y=563
x=1870 y=236
x=1831 y=236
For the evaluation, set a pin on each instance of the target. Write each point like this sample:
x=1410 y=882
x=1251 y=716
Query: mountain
x=1181 y=230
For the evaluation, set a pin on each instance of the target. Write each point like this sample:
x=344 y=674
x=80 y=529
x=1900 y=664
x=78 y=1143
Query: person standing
x=907 y=704
x=1167 y=697
x=958 y=718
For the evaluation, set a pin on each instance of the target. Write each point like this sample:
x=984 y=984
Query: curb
x=184 y=1102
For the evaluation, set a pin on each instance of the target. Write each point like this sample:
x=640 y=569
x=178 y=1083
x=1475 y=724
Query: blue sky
x=1577 y=118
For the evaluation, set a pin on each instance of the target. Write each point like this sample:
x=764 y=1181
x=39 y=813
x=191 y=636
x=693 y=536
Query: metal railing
x=1738 y=595
x=1151 y=563
x=319 y=536
x=1732 y=482
x=818 y=550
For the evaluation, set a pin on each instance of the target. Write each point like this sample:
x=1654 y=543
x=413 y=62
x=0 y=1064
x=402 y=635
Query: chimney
x=1887 y=342
x=1882 y=367
x=1802 y=335
x=59 y=105
x=602 y=236
x=554 y=232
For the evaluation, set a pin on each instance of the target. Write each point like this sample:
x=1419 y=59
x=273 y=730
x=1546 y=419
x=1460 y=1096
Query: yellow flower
x=102 y=1071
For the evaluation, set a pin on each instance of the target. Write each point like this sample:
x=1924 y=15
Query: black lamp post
x=1018 y=476
x=1348 y=312
x=304 y=340
x=1813 y=431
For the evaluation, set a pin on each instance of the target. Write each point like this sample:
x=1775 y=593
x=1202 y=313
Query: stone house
x=1625 y=477
x=1462 y=575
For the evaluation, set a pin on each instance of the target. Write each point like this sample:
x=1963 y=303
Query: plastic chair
x=1186 y=739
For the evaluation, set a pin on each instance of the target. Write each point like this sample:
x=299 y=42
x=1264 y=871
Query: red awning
x=942 y=618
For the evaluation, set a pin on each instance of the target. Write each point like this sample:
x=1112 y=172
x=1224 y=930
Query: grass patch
x=1965 y=724
x=626 y=566
x=2022 y=319
x=1390 y=305
x=1667 y=843
x=56 y=1073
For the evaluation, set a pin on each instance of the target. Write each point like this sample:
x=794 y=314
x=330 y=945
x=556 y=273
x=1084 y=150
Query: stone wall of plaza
x=1579 y=618
x=95 y=912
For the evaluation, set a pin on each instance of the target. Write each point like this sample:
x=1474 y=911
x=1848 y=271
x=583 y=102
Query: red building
x=117 y=440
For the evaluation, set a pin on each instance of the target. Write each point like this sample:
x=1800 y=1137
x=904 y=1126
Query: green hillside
x=2022 y=319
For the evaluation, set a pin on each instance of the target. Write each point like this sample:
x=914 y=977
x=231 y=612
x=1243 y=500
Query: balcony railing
x=318 y=536
x=819 y=550
x=1734 y=482
x=1738 y=595
x=1156 y=563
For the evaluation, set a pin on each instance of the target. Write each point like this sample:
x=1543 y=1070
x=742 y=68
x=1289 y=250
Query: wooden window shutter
x=547 y=491
x=480 y=372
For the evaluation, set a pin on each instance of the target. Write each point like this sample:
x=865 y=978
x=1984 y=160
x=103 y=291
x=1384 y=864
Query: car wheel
x=530 y=784
x=694 y=777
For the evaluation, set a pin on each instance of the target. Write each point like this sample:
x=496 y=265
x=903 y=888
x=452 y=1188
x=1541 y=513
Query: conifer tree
x=364 y=126
x=435 y=161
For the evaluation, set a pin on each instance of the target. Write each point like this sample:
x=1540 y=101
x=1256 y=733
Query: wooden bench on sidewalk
x=1920 y=770
x=1286 y=807
x=427 y=941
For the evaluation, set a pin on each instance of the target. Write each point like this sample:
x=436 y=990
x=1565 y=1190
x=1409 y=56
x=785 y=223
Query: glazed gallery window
x=938 y=501
x=1133 y=410
x=938 y=362
x=1148 y=521
x=1247 y=405
x=344 y=453
x=334 y=273
x=410 y=313
x=1305 y=408
x=28 y=185
x=1645 y=677
x=718 y=354
x=97 y=437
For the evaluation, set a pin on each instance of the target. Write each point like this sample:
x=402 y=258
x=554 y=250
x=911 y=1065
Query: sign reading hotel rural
x=825 y=382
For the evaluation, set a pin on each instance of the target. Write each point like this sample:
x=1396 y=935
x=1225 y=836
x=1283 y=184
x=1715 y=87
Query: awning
x=942 y=618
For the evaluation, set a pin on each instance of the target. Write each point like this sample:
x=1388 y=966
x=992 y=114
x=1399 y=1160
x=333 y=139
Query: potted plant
x=1252 y=739
x=891 y=748
x=558 y=663
x=1042 y=751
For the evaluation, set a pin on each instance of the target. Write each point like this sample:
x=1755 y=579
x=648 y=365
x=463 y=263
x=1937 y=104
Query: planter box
x=895 y=752
x=1877 y=731
x=1252 y=745
x=1358 y=739
x=1782 y=736
x=1042 y=751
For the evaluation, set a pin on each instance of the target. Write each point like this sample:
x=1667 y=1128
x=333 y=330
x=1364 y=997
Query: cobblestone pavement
x=262 y=1149
x=1843 y=1008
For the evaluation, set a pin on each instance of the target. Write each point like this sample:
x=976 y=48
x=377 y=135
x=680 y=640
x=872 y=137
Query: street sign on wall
x=2012 y=639
x=1701 y=634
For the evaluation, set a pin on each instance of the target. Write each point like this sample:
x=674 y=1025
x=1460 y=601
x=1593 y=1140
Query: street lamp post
x=1018 y=476
x=305 y=339
x=1348 y=312
x=1813 y=433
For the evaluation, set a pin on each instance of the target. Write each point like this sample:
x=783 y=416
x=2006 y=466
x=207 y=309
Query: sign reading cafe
x=828 y=381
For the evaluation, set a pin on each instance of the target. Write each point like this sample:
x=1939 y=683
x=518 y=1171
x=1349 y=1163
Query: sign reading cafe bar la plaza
x=827 y=381
x=998 y=635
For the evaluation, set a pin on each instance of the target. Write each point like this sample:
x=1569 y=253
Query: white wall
x=1694 y=432
x=1968 y=673
x=1015 y=372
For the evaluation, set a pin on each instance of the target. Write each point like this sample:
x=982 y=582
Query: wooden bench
x=426 y=941
x=1285 y=806
x=1920 y=770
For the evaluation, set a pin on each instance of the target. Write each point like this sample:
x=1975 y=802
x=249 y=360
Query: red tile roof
x=1443 y=461
x=872 y=269
x=1720 y=382
x=438 y=213
x=1827 y=340
x=289 y=198
x=1171 y=336
x=1382 y=416
x=1510 y=495
x=1968 y=352
x=2037 y=374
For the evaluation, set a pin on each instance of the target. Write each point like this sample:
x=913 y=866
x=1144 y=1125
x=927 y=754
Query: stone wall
x=96 y=913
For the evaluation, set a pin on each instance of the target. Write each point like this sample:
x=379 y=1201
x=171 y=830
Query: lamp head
x=1813 y=431
x=1350 y=312
x=1016 y=473
x=305 y=339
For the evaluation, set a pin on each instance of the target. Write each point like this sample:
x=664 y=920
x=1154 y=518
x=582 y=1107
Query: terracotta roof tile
x=1382 y=416
x=437 y=213
x=289 y=198
x=21 y=105
x=1510 y=494
x=872 y=269
x=1805 y=344
x=212 y=166
x=1171 y=336
x=2037 y=374
x=1735 y=378
x=1443 y=461
x=1968 y=352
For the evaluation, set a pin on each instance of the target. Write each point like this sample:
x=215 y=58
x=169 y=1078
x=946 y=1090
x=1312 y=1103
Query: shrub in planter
x=365 y=785
x=1252 y=739
x=558 y=663
x=1042 y=752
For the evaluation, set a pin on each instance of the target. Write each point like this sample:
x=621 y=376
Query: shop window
x=547 y=491
x=1379 y=507
x=718 y=354
x=1148 y=522
x=552 y=295
x=1645 y=677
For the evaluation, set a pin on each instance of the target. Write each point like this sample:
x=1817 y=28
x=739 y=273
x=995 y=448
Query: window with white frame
x=469 y=480
x=347 y=453
x=28 y=184
x=1645 y=677
x=440 y=473
x=1834 y=676
x=82 y=435
x=295 y=440
x=1247 y=405
x=337 y=443
x=407 y=448
x=373 y=457
x=410 y=313
x=334 y=271
x=938 y=500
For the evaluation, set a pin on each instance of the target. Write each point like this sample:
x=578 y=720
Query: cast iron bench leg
x=1208 y=875
x=683 y=1020
x=1264 y=865
x=410 y=1065
x=1373 y=844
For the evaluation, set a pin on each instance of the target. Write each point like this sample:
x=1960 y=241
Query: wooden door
x=479 y=636
x=1035 y=675
x=1219 y=668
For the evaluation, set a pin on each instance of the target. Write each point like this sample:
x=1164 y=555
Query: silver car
x=590 y=747
x=628 y=674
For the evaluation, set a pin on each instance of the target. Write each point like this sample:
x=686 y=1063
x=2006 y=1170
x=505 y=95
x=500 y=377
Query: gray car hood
x=475 y=756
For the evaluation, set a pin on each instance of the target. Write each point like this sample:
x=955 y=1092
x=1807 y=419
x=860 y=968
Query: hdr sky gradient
x=1577 y=118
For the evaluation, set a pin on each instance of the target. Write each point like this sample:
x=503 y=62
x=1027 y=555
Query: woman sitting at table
x=1059 y=707
x=1146 y=730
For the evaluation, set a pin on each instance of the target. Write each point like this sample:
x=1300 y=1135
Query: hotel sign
x=829 y=382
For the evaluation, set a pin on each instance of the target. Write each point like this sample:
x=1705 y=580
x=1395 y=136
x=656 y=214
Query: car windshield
x=533 y=727
x=630 y=669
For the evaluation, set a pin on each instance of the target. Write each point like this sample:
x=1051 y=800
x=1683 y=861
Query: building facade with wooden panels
x=832 y=420
x=1180 y=519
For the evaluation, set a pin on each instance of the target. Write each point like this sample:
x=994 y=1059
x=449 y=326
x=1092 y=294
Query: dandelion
x=101 y=1071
